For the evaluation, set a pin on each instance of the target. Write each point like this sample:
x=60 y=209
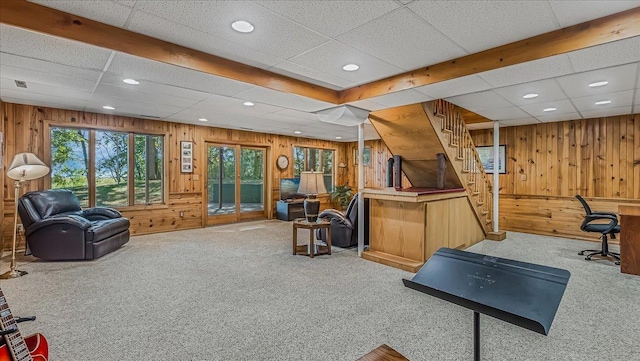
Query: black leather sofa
x=56 y=227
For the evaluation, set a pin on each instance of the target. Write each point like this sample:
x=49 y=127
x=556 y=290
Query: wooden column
x=630 y=239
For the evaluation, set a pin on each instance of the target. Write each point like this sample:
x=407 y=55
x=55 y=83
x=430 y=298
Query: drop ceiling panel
x=151 y=87
x=285 y=100
x=403 y=39
x=606 y=112
x=40 y=99
x=77 y=106
x=143 y=69
x=297 y=114
x=130 y=107
x=157 y=27
x=547 y=90
x=273 y=34
x=574 y=12
x=331 y=56
x=368 y=105
x=33 y=45
x=603 y=56
x=481 y=25
x=619 y=99
x=48 y=68
x=478 y=101
x=331 y=18
x=559 y=117
x=619 y=78
x=449 y=88
x=129 y=3
x=35 y=88
x=108 y=12
x=217 y=104
x=138 y=95
x=32 y=76
x=523 y=121
x=484 y=125
x=402 y=97
x=545 y=68
x=298 y=71
x=503 y=113
x=562 y=107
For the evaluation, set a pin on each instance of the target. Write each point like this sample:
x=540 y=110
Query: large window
x=318 y=160
x=126 y=169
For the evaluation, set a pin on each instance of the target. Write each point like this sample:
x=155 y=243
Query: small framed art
x=186 y=157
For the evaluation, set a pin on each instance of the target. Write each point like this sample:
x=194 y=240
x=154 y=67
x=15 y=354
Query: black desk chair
x=606 y=229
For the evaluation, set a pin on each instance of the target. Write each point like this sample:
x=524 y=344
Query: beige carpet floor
x=236 y=292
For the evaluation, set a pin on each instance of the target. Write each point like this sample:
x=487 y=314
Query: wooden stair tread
x=383 y=353
x=406 y=264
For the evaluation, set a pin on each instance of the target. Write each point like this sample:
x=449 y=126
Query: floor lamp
x=24 y=167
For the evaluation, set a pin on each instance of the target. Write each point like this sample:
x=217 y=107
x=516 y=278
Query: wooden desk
x=630 y=239
x=383 y=353
x=311 y=226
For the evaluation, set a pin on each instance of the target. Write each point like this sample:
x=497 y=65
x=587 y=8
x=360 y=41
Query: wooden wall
x=23 y=127
x=375 y=174
x=549 y=163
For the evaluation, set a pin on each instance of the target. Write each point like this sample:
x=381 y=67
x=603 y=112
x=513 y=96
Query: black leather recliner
x=56 y=227
x=344 y=227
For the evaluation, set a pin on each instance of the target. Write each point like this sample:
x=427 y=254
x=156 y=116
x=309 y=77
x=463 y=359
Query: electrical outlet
x=181 y=214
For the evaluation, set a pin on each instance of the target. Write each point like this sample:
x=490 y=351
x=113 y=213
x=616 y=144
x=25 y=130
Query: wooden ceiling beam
x=600 y=31
x=35 y=17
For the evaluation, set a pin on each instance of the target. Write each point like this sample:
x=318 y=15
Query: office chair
x=606 y=229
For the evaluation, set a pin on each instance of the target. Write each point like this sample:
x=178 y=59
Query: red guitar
x=16 y=348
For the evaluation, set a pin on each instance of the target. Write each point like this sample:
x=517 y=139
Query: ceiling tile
x=227 y=105
x=503 y=113
x=157 y=27
x=479 y=101
x=559 y=117
x=22 y=97
x=637 y=100
x=45 y=67
x=619 y=99
x=575 y=12
x=129 y=3
x=144 y=69
x=562 y=107
x=285 y=100
x=481 y=25
x=523 y=121
x=138 y=95
x=330 y=57
x=610 y=112
x=77 y=105
x=483 y=125
x=273 y=34
x=399 y=98
x=130 y=107
x=368 y=105
x=151 y=87
x=619 y=78
x=107 y=12
x=297 y=114
x=45 y=78
x=547 y=90
x=33 y=45
x=463 y=85
x=603 y=56
x=420 y=45
x=35 y=88
x=330 y=18
x=312 y=76
x=545 y=68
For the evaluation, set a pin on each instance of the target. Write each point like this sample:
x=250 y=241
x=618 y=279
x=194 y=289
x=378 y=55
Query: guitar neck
x=14 y=340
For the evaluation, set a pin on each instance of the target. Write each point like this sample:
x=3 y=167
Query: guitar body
x=37 y=346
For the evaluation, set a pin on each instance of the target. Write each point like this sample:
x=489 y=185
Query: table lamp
x=24 y=167
x=311 y=184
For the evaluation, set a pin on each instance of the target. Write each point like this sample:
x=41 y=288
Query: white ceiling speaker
x=346 y=115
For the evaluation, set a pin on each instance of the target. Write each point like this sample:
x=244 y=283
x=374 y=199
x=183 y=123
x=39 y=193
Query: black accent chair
x=606 y=229
x=344 y=227
x=57 y=229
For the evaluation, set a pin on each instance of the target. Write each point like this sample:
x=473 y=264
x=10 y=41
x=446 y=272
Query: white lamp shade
x=346 y=115
x=27 y=166
x=312 y=183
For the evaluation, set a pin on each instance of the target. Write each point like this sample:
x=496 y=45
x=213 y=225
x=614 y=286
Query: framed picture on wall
x=488 y=163
x=186 y=157
x=366 y=156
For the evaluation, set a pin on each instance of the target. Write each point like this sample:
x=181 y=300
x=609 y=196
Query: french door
x=235 y=183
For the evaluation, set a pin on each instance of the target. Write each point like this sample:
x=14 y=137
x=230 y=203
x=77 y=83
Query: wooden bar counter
x=407 y=226
x=630 y=239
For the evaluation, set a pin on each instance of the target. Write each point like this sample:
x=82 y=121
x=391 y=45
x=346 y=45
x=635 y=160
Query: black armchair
x=56 y=227
x=344 y=227
x=593 y=222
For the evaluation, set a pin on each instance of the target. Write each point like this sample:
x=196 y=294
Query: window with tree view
x=74 y=162
x=316 y=159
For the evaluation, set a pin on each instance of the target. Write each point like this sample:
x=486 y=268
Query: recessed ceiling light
x=338 y=137
x=598 y=83
x=297 y=132
x=530 y=95
x=131 y=81
x=351 y=67
x=248 y=104
x=549 y=109
x=242 y=26
x=603 y=102
x=203 y=119
x=108 y=107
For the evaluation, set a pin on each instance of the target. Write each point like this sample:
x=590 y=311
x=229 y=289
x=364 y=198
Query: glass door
x=235 y=183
